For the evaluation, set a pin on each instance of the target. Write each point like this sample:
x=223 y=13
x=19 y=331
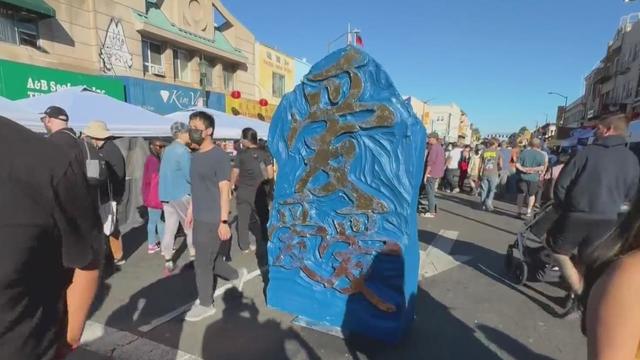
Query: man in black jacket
x=112 y=190
x=589 y=194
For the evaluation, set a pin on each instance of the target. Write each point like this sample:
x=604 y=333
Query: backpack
x=94 y=165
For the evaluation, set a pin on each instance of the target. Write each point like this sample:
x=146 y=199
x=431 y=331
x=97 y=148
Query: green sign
x=19 y=81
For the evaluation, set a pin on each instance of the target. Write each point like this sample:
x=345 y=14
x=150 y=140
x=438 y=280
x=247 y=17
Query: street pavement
x=467 y=306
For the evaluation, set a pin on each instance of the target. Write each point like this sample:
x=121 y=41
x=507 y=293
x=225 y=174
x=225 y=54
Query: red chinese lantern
x=263 y=102
x=235 y=94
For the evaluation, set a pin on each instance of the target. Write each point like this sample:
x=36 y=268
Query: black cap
x=56 y=112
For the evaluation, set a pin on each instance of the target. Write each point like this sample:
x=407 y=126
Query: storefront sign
x=19 y=81
x=167 y=98
x=115 y=52
x=250 y=108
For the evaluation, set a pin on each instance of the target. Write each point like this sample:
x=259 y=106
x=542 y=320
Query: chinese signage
x=114 y=52
x=19 y=81
x=270 y=62
x=166 y=98
x=249 y=108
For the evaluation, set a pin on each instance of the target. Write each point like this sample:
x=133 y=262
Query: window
x=278 y=85
x=228 y=74
x=19 y=29
x=152 y=57
x=181 y=60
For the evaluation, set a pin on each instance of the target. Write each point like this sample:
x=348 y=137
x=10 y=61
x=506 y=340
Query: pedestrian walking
x=52 y=246
x=474 y=170
x=252 y=168
x=465 y=159
x=542 y=182
x=612 y=287
x=530 y=165
x=490 y=174
x=209 y=214
x=175 y=193
x=111 y=192
x=434 y=171
x=505 y=169
x=452 y=172
x=150 y=196
x=590 y=192
x=512 y=179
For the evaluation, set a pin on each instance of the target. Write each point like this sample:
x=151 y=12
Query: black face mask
x=196 y=137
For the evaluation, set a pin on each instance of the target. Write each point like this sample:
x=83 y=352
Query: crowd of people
x=68 y=208
x=592 y=238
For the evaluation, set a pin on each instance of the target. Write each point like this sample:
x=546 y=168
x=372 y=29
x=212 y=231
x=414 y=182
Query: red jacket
x=150 y=181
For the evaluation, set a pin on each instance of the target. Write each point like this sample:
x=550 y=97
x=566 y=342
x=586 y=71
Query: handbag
x=108 y=213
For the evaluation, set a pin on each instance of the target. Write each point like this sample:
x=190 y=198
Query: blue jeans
x=430 y=190
x=155 y=226
x=488 y=190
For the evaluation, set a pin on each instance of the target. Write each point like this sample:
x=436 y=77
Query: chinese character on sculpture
x=350 y=154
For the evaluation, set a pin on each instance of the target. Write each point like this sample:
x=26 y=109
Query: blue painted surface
x=317 y=231
x=165 y=98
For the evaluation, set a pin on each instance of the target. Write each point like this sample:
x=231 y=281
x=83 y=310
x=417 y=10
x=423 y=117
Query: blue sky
x=497 y=59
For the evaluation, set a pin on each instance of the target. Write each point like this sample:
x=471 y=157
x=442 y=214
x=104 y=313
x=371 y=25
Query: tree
x=475 y=134
x=523 y=130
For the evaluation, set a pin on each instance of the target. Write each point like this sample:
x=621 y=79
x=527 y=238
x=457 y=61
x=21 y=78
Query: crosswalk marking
x=436 y=259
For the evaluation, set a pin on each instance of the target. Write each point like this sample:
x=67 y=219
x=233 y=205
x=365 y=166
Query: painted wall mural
x=114 y=52
x=344 y=249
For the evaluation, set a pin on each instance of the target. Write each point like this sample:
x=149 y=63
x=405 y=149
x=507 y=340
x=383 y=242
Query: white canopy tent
x=84 y=105
x=227 y=126
x=20 y=114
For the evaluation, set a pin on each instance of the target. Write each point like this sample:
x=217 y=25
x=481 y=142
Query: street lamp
x=564 y=111
x=203 y=80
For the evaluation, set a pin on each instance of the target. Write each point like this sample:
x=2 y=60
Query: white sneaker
x=199 y=312
x=429 y=215
x=242 y=277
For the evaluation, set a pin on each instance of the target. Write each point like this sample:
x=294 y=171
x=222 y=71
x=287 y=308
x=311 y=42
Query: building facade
x=160 y=55
x=421 y=109
x=614 y=84
x=445 y=121
x=575 y=114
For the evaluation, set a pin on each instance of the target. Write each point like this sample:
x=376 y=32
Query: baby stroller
x=527 y=258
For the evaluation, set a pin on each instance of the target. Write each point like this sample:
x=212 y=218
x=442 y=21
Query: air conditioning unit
x=156 y=69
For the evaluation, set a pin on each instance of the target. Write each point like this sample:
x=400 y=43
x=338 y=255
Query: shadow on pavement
x=439 y=334
x=241 y=335
x=478 y=221
x=491 y=264
x=510 y=345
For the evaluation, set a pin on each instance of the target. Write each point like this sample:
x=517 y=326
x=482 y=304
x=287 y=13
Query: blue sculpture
x=343 y=248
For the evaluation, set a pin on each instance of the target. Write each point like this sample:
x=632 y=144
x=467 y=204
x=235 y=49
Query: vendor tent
x=227 y=126
x=18 y=113
x=84 y=105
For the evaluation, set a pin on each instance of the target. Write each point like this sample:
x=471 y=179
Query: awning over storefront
x=37 y=7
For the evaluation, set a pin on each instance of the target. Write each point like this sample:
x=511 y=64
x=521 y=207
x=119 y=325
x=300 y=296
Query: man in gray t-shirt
x=209 y=214
x=208 y=170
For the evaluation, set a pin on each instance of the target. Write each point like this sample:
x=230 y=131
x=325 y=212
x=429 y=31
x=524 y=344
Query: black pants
x=209 y=261
x=253 y=215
